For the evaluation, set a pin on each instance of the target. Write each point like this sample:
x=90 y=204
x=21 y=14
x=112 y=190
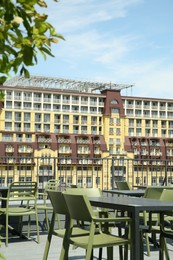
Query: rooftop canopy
x=61 y=83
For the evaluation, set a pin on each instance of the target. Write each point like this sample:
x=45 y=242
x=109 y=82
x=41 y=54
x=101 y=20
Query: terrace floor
x=29 y=250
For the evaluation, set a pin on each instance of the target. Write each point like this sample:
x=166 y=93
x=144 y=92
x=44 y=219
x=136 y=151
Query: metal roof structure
x=63 y=84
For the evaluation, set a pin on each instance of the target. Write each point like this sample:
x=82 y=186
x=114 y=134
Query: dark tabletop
x=136 y=193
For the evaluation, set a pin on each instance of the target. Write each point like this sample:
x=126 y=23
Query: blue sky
x=119 y=41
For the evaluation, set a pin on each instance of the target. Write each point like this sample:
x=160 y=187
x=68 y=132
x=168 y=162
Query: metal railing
x=84 y=171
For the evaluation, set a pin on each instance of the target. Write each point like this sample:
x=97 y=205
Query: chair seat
x=44 y=207
x=19 y=211
x=100 y=240
x=76 y=232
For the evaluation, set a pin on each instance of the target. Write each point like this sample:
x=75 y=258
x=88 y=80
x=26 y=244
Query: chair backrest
x=58 y=202
x=74 y=186
x=167 y=194
x=123 y=185
x=51 y=185
x=89 y=192
x=22 y=191
x=153 y=193
x=79 y=207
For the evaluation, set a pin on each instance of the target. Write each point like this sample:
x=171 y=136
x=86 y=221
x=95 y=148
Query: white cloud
x=156 y=84
x=96 y=47
x=99 y=49
x=71 y=16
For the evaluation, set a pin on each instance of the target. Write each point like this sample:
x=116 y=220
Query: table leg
x=136 y=253
x=161 y=250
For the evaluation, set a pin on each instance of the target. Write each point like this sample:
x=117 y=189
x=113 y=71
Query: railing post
x=166 y=172
x=112 y=173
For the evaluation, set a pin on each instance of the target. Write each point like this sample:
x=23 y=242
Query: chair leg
x=161 y=249
x=6 y=231
x=120 y=247
x=100 y=253
x=89 y=254
x=29 y=226
x=49 y=237
x=141 y=245
x=109 y=253
x=166 y=250
x=47 y=219
x=20 y=227
x=147 y=244
x=37 y=227
x=126 y=252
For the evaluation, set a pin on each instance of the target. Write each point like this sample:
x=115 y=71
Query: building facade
x=52 y=126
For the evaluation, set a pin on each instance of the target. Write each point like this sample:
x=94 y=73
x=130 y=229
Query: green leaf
x=2 y=79
x=27 y=55
x=46 y=51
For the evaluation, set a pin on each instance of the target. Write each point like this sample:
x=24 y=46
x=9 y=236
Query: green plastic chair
x=152 y=220
x=46 y=207
x=96 y=192
x=92 y=240
x=123 y=185
x=90 y=192
x=150 y=193
x=165 y=232
x=60 y=208
x=21 y=201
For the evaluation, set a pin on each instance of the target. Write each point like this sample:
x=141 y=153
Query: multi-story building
x=78 y=123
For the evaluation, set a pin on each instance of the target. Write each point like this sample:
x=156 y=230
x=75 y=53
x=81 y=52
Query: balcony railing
x=103 y=172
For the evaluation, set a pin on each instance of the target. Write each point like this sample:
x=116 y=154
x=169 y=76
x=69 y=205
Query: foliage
x=2 y=95
x=23 y=33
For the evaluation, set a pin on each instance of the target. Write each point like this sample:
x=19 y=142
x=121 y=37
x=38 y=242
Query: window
x=8 y=115
x=2 y=181
x=29 y=179
x=22 y=179
x=131 y=122
x=9 y=180
x=115 y=111
x=118 y=131
x=117 y=121
x=137 y=180
x=80 y=181
x=161 y=179
x=26 y=116
x=131 y=131
x=69 y=180
x=153 y=180
x=138 y=131
x=97 y=180
x=8 y=126
x=114 y=102
x=37 y=117
x=111 y=121
x=88 y=181
x=111 y=131
x=46 y=117
x=111 y=140
x=9 y=168
x=61 y=179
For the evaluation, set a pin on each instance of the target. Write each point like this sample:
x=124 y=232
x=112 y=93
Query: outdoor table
x=135 y=193
x=140 y=186
x=133 y=206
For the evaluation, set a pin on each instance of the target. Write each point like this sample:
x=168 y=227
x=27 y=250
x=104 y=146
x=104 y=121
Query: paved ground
x=29 y=250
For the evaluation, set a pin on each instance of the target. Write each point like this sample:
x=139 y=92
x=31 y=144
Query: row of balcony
x=54 y=100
